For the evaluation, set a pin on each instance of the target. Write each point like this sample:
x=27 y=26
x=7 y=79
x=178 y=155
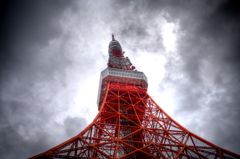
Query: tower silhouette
x=130 y=125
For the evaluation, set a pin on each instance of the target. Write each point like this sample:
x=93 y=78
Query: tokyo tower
x=130 y=125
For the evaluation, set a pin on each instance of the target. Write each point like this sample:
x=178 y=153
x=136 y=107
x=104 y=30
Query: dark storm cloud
x=211 y=45
x=27 y=22
x=30 y=78
x=210 y=50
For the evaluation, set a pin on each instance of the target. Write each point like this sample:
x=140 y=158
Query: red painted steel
x=130 y=125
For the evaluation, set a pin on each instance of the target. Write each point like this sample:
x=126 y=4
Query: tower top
x=112 y=37
x=116 y=57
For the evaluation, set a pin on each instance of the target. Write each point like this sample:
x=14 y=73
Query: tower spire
x=112 y=37
x=116 y=57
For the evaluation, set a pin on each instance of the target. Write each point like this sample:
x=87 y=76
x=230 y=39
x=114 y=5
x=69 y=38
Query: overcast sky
x=52 y=53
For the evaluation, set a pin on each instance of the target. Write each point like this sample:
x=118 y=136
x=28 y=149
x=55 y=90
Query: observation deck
x=127 y=77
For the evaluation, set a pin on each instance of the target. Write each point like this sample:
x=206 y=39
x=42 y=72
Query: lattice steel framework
x=130 y=125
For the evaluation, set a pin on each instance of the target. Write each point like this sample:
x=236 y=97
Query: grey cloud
x=19 y=130
x=73 y=125
x=28 y=130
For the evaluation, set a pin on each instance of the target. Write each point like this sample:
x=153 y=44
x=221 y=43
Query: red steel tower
x=130 y=125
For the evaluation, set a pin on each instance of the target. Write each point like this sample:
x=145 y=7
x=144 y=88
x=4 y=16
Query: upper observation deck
x=127 y=77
